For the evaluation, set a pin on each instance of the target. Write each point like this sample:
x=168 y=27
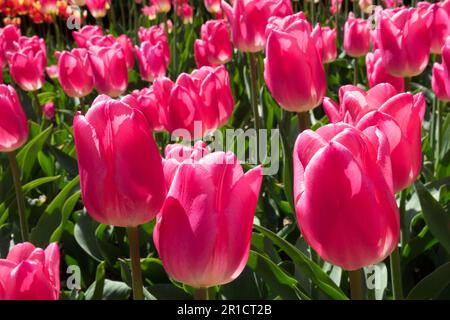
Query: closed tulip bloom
x=337 y=160
x=440 y=28
x=405 y=40
x=52 y=71
x=214 y=45
x=162 y=6
x=84 y=34
x=75 y=74
x=13 y=122
x=149 y=105
x=127 y=47
x=30 y=273
x=356 y=36
x=248 y=19
x=125 y=187
x=154 y=35
x=204 y=96
x=398 y=115
x=213 y=6
x=325 y=41
x=49 y=110
x=438 y=82
x=152 y=60
x=446 y=65
x=203 y=232
x=376 y=73
x=293 y=71
x=109 y=68
x=98 y=8
x=175 y=154
x=9 y=35
x=122 y=42
x=27 y=68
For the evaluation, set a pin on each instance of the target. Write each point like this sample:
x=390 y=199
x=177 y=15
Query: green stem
x=254 y=94
x=355 y=76
x=136 y=275
x=403 y=221
x=356 y=285
x=313 y=9
x=304 y=122
x=408 y=84
x=396 y=275
x=37 y=105
x=201 y=294
x=19 y=195
x=438 y=133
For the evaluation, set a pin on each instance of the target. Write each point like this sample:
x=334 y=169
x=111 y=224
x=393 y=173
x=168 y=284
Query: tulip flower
x=365 y=5
x=125 y=187
x=151 y=12
x=438 y=82
x=49 y=7
x=203 y=232
x=175 y=154
x=293 y=70
x=13 y=122
x=337 y=160
x=30 y=273
x=376 y=73
x=405 y=40
x=98 y=8
x=325 y=41
x=204 y=96
x=440 y=28
x=212 y=6
x=150 y=104
x=49 y=110
x=127 y=47
x=356 y=36
x=398 y=115
x=248 y=20
x=9 y=35
x=154 y=35
x=52 y=71
x=335 y=6
x=75 y=73
x=27 y=68
x=109 y=69
x=214 y=45
x=152 y=60
x=446 y=65
x=162 y=6
x=84 y=34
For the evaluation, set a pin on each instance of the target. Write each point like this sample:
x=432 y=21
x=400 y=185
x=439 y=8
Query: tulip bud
x=13 y=122
x=30 y=273
x=75 y=73
x=49 y=110
x=293 y=70
x=376 y=73
x=121 y=175
x=338 y=161
x=356 y=36
x=248 y=21
x=220 y=202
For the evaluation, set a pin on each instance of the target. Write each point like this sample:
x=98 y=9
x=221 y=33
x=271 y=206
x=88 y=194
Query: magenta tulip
x=325 y=40
x=213 y=6
x=404 y=38
x=356 y=36
x=9 y=35
x=109 y=68
x=27 y=68
x=376 y=73
x=358 y=224
x=438 y=82
x=203 y=232
x=155 y=35
x=214 y=45
x=121 y=174
x=49 y=110
x=294 y=72
x=30 y=273
x=152 y=60
x=440 y=27
x=248 y=21
x=13 y=122
x=150 y=106
x=84 y=34
x=446 y=64
x=75 y=73
x=98 y=8
x=398 y=115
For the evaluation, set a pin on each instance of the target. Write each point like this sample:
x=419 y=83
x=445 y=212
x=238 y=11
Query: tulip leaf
x=67 y=209
x=312 y=270
x=437 y=219
x=432 y=285
x=84 y=233
x=28 y=154
x=38 y=182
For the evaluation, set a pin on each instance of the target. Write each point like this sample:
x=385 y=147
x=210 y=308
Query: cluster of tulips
x=346 y=173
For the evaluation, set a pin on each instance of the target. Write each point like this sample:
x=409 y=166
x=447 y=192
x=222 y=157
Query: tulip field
x=224 y=150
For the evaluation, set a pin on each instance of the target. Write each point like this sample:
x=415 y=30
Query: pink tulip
x=84 y=34
x=127 y=47
x=13 y=122
x=52 y=71
x=49 y=110
x=122 y=42
x=203 y=232
x=151 y=107
x=154 y=35
x=376 y=73
x=9 y=35
x=109 y=69
x=214 y=45
x=121 y=175
x=335 y=6
x=356 y=36
x=204 y=96
x=338 y=161
x=365 y=5
x=152 y=60
x=446 y=64
x=325 y=40
x=162 y=6
x=212 y=6
x=27 y=68
x=49 y=7
x=75 y=73
x=30 y=273
x=293 y=71
x=175 y=154
x=440 y=27
x=404 y=40
x=398 y=116
x=248 y=21
x=151 y=12
x=438 y=82
x=98 y=8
